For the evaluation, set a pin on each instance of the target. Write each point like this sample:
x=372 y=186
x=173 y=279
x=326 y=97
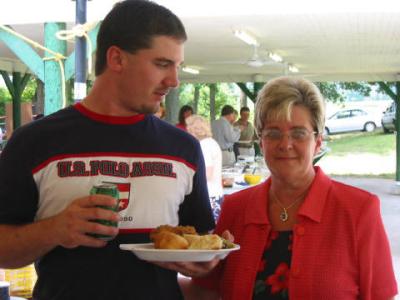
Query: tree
x=225 y=94
x=4 y=97
x=332 y=91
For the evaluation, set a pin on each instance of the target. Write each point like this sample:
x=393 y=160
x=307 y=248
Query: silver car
x=388 y=118
x=352 y=119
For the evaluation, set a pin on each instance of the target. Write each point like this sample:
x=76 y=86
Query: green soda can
x=108 y=189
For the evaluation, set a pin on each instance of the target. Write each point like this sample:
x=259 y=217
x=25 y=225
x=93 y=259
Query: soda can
x=108 y=189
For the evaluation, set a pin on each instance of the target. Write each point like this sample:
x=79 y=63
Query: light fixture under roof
x=275 y=57
x=246 y=37
x=190 y=70
x=293 y=68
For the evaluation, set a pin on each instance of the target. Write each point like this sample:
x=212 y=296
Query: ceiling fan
x=254 y=61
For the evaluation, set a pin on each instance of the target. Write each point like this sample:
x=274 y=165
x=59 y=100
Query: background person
x=302 y=235
x=184 y=112
x=161 y=111
x=111 y=136
x=200 y=129
x=226 y=135
x=245 y=144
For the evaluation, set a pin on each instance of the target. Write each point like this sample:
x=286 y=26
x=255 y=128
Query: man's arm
x=21 y=245
x=231 y=134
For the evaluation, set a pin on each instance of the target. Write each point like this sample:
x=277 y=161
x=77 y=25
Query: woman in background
x=161 y=111
x=184 y=112
x=200 y=129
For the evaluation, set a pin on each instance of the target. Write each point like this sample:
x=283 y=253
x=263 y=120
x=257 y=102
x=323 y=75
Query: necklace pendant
x=284 y=216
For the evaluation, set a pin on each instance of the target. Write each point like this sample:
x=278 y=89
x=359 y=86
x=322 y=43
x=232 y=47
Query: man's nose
x=172 y=80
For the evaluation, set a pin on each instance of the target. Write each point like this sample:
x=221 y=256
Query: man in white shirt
x=226 y=135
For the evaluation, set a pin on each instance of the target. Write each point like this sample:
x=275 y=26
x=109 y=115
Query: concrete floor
x=390 y=209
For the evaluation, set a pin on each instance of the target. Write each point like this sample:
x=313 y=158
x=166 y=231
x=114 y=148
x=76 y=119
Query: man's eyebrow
x=166 y=60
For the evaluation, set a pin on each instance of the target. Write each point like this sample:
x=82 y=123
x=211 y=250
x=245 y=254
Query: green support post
x=396 y=98
x=397 y=126
x=257 y=87
x=53 y=79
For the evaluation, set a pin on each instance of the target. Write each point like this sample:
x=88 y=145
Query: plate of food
x=148 y=252
x=181 y=244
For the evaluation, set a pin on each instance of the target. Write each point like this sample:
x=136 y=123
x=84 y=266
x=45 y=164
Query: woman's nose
x=286 y=141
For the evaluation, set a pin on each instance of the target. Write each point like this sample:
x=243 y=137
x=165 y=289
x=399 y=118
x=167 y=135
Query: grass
x=361 y=142
x=391 y=176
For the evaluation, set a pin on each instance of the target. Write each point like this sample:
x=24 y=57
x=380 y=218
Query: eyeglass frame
x=288 y=133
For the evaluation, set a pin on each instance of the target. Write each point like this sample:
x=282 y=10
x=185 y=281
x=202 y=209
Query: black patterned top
x=272 y=281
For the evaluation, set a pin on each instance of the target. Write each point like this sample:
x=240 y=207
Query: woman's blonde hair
x=278 y=96
x=198 y=127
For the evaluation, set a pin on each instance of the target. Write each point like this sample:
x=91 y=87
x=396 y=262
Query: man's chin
x=147 y=110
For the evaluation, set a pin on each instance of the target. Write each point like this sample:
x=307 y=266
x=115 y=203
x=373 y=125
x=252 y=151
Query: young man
x=226 y=135
x=49 y=166
x=247 y=136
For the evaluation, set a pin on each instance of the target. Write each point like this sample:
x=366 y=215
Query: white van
x=388 y=118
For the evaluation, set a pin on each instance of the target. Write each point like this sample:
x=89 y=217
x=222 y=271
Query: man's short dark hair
x=132 y=24
x=244 y=109
x=227 y=110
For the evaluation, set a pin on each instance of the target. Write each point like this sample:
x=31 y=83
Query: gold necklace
x=284 y=216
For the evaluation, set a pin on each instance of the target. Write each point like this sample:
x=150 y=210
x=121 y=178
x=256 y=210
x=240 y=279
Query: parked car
x=354 y=119
x=388 y=118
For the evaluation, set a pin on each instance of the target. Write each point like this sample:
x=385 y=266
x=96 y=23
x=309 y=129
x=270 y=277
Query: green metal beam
x=257 y=87
x=24 y=52
x=246 y=91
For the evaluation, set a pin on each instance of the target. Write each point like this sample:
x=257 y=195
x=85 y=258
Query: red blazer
x=340 y=248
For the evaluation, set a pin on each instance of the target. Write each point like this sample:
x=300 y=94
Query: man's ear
x=115 y=57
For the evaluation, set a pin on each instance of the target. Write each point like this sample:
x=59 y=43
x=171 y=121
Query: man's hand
x=195 y=269
x=190 y=269
x=71 y=226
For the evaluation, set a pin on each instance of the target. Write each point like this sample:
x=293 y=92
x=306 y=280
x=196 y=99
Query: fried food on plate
x=170 y=240
x=186 y=237
x=205 y=242
x=180 y=230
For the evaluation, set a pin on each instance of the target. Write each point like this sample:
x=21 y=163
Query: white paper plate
x=147 y=252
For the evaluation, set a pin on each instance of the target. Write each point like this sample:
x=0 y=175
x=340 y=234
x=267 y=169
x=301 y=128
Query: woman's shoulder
x=352 y=197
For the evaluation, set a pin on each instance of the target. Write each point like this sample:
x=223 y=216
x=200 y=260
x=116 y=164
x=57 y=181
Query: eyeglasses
x=296 y=134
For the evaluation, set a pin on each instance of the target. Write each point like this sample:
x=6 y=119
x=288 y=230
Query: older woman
x=200 y=129
x=302 y=234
